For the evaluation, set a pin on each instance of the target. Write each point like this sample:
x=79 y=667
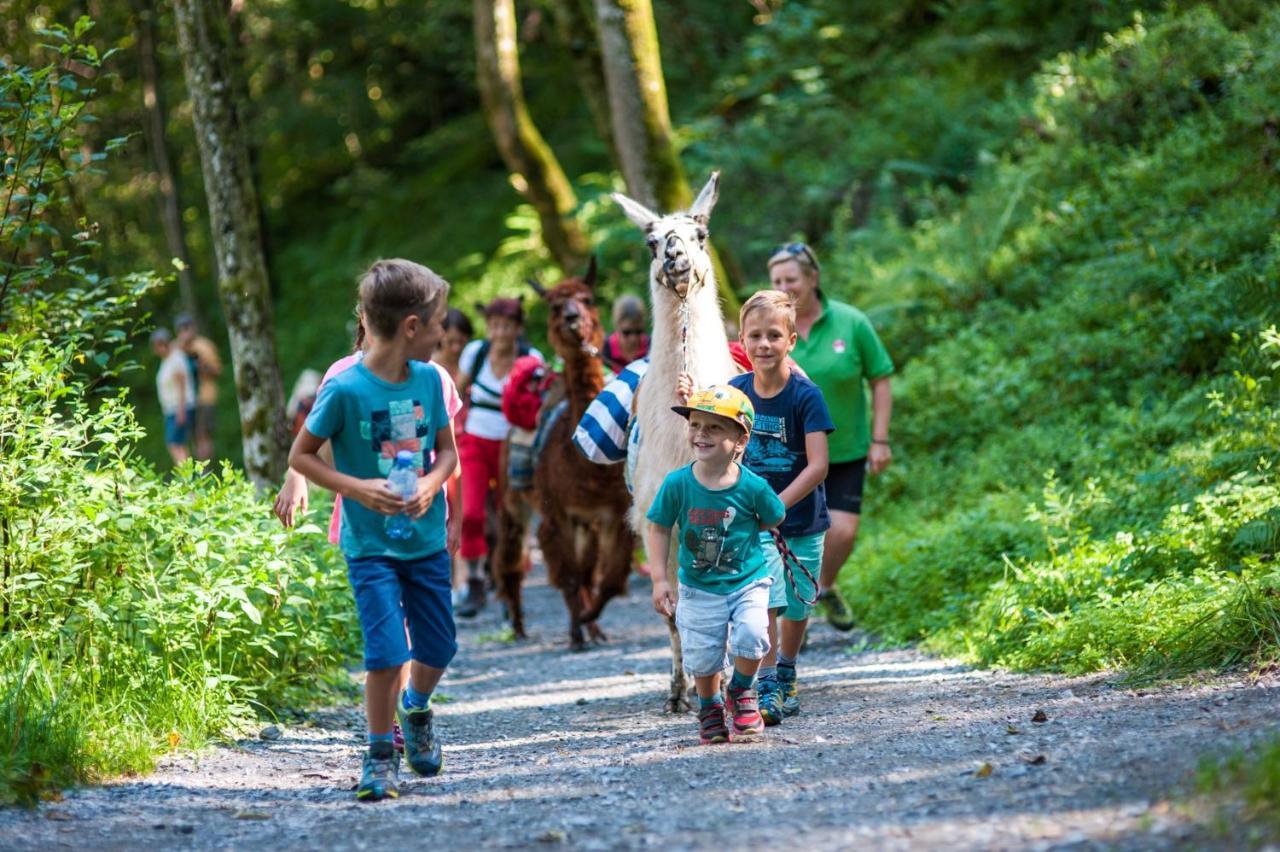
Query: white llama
x=689 y=335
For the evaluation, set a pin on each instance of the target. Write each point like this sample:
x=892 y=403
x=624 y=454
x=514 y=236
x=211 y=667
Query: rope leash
x=790 y=559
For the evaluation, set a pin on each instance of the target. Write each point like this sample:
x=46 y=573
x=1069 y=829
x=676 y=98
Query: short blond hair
x=391 y=290
x=770 y=301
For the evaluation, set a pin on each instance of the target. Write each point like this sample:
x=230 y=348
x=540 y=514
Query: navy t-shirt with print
x=776 y=450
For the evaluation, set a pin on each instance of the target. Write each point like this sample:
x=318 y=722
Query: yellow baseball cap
x=722 y=400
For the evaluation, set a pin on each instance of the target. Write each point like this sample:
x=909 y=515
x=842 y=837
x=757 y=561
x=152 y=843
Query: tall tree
x=523 y=149
x=575 y=26
x=144 y=12
x=233 y=217
x=641 y=119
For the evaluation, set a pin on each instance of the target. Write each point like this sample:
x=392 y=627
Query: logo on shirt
x=838 y=346
x=706 y=543
x=401 y=426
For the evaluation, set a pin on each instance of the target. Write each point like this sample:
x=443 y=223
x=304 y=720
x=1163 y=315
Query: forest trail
x=547 y=748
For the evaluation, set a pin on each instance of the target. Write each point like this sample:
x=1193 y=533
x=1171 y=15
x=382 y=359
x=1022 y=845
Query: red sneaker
x=711 y=725
x=747 y=721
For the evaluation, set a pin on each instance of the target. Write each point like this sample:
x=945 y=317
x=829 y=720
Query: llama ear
x=641 y=216
x=706 y=201
x=537 y=286
x=480 y=306
x=589 y=277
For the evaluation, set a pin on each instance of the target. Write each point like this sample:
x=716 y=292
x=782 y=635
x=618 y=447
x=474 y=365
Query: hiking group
x=776 y=474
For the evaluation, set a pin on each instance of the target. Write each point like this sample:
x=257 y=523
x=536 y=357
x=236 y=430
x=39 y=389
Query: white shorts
x=708 y=621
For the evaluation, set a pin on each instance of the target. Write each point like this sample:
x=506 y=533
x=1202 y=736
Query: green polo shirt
x=840 y=354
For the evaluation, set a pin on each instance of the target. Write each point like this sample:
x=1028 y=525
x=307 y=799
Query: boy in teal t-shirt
x=720 y=508
x=389 y=403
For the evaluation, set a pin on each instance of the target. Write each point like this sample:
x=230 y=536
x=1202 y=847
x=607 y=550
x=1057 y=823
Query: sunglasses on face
x=798 y=250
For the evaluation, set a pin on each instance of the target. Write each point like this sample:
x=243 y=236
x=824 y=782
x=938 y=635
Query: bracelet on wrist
x=875 y=441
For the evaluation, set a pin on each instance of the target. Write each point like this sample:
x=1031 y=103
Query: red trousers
x=479 y=460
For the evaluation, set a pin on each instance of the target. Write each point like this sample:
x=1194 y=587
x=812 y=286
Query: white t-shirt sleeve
x=467 y=360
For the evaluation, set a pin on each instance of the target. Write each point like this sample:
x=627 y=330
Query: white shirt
x=175 y=381
x=484 y=417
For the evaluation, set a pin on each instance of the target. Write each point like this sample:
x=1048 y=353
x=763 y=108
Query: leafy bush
x=1097 y=307
x=136 y=613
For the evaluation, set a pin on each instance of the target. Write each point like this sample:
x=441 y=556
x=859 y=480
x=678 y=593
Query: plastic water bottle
x=403 y=482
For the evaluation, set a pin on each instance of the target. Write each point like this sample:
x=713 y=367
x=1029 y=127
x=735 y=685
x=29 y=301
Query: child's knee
x=751 y=638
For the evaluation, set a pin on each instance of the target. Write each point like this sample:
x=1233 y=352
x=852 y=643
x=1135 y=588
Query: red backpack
x=522 y=395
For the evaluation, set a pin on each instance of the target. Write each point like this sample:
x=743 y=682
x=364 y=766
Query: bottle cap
x=404 y=457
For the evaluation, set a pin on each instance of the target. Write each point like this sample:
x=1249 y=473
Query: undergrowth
x=1086 y=428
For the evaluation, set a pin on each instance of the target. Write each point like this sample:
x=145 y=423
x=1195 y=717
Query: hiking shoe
x=836 y=610
x=770 y=700
x=421 y=747
x=397 y=736
x=381 y=776
x=746 y=713
x=473 y=601
x=711 y=726
x=787 y=686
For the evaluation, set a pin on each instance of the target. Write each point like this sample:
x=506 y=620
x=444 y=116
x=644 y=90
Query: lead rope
x=684 y=336
x=789 y=559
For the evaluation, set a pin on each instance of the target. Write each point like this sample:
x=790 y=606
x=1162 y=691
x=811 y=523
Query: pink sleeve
x=335 y=520
x=339 y=366
x=452 y=399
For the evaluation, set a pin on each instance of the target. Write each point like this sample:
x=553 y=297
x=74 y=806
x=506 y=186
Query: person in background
x=175 y=387
x=206 y=365
x=839 y=351
x=630 y=340
x=458 y=332
x=485 y=366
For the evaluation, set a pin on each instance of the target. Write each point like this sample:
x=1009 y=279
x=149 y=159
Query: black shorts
x=844 y=486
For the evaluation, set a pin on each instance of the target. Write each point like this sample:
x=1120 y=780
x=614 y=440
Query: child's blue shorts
x=390 y=592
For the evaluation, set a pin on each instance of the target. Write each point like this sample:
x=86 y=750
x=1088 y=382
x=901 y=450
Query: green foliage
x=136 y=613
x=1101 y=306
x=1255 y=779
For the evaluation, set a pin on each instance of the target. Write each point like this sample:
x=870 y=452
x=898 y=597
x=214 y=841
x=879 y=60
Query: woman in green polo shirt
x=840 y=351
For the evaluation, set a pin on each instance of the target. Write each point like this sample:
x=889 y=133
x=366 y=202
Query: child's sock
x=414 y=700
x=381 y=738
x=709 y=701
x=785 y=662
x=741 y=681
x=766 y=672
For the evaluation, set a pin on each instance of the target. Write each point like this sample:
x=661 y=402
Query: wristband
x=874 y=441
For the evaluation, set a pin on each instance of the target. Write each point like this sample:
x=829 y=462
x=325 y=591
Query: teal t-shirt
x=719 y=531
x=368 y=421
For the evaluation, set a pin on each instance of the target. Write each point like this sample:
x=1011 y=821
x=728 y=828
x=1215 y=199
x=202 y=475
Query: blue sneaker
x=421 y=747
x=787 y=686
x=770 y=700
x=381 y=776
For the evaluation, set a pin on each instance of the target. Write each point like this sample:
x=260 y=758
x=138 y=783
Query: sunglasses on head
x=798 y=250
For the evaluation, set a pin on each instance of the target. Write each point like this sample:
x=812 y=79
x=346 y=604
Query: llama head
x=574 y=322
x=678 y=241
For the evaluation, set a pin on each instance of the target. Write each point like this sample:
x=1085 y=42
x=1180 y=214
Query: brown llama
x=585 y=539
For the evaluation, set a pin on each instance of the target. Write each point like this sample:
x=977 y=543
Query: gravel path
x=894 y=750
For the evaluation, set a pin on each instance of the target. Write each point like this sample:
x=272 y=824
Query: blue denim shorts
x=390 y=592
x=783 y=597
x=175 y=435
x=707 y=621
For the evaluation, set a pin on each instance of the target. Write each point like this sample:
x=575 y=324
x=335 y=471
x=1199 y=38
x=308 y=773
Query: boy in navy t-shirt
x=788 y=448
x=392 y=402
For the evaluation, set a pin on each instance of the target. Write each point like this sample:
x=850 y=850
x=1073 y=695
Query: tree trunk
x=233 y=217
x=575 y=22
x=158 y=148
x=522 y=147
x=641 y=120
